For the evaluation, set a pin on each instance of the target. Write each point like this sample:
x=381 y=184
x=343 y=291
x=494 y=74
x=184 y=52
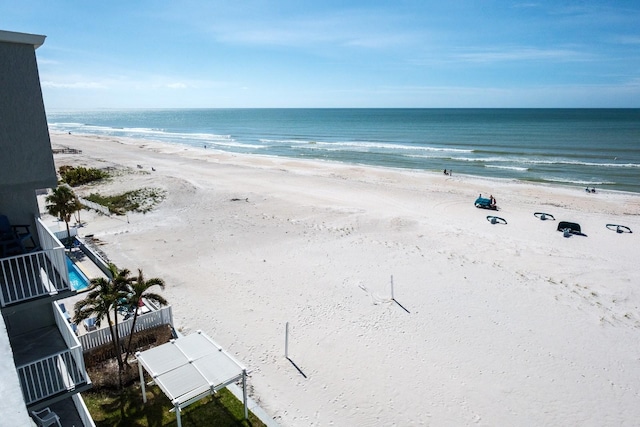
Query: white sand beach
x=493 y=324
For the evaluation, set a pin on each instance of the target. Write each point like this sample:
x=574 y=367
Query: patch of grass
x=142 y=200
x=109 y=408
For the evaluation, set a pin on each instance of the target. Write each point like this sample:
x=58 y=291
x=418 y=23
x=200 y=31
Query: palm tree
x=103 y=297
x=100 y=299
x=97 y=303
x=121 y=284
x=62 y=203
x=140 y=289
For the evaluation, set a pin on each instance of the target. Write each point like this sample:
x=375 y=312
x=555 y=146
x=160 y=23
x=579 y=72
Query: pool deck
x=91 y=271
x=84 y=264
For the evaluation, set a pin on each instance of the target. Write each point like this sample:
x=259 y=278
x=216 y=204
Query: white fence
x=95 y=206
x=94 y=339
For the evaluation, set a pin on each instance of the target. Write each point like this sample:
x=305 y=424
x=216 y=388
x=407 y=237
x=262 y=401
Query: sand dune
x=492 y=324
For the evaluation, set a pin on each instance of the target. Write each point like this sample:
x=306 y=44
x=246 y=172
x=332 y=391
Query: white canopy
x=190 y=368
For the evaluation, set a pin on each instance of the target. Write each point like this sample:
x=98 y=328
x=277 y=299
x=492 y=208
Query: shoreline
x=496 y=316
x=166 y=147
x=176 y=145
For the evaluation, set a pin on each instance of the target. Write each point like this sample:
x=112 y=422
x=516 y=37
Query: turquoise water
x=582 y=147
x=77 y=279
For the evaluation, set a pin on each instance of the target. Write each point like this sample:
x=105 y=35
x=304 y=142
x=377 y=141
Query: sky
x=325 y=54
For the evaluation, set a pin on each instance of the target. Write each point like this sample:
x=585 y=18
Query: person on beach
x=445 y=172
x=492 y=200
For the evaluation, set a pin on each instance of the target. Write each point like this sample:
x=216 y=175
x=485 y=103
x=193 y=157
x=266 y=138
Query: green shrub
x=142 y=200
x=80 y=175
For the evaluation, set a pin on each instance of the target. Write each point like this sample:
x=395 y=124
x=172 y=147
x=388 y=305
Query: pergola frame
x=190 y=368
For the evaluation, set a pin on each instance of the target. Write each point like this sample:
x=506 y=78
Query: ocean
x=580 y=147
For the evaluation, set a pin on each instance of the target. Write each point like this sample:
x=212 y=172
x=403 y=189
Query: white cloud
x=356 y=28
x=73 y=85
x=47 y=61
x=523 y=54
x=633 y=40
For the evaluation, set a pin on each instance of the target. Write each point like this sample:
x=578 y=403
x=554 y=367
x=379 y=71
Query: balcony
x=72 y=412
x=36 y=274
x=49 y=362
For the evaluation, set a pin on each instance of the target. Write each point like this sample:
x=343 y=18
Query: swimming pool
x=77 y=279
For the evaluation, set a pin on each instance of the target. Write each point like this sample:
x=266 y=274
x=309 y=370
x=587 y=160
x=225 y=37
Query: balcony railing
x=34 y=274
x=49 y=376
x=58 y=372
x=83 y=412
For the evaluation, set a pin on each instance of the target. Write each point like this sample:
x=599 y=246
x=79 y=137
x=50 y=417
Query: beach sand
x=492 y=324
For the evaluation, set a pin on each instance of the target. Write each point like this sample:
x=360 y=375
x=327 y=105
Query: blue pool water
x=77 y=280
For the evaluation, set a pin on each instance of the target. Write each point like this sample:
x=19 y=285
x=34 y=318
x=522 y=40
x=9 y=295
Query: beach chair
x=573 y=227
x=46 y=417
x=65 y=312
x=570 y=228
x=124 y=307
x=544 y=216
x=496 y=220
x=13 y=238
x=619 y=228
x=90 y=324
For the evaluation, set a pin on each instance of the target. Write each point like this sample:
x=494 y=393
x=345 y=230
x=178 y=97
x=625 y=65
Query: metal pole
x=244 y=393
x=286 y=341
x=144 y=392
x=392 y=297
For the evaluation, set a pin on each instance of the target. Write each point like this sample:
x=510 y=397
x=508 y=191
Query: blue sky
x=399 y=53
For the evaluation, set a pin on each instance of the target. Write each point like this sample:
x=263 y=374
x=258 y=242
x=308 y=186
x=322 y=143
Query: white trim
x=35 y=40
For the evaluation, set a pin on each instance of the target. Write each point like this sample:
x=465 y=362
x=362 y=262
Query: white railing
x=48 y=240
x=83 y=412
x=35 y=274
x=69 y=337
x=100 y=337
x=94 y=257
x=51 y=375
x=59 y=372
x=63 y=235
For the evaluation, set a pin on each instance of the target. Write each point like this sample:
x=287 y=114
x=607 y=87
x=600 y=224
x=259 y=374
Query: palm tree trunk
x=118 y=348
x=68 y=234
x=113 y=330
x=133 y=326
x=115 y=340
